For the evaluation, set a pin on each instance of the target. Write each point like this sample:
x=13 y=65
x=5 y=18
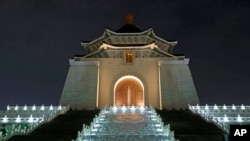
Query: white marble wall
x=80 y=89
x=177 y=86
x=90 y=82
x=145 y=69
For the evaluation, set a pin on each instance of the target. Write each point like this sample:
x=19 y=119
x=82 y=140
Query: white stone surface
x=90 y=82
x=80 y=89
x=177 y=86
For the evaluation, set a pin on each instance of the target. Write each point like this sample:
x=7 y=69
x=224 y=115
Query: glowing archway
x=129 y=90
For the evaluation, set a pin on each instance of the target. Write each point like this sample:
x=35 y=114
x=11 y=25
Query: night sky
x=37 y=37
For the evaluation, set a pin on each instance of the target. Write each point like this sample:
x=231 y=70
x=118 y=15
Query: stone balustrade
x=223 y=116
x=18 y=120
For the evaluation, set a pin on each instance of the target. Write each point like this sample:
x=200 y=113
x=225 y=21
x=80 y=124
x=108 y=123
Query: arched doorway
x=129 y=91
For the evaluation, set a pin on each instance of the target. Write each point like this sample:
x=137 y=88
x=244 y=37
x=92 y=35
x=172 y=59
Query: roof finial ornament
x=129 y=19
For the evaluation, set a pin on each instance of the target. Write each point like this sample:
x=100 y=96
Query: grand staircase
x=186 y=126
x=62 y=128
x=190 y=127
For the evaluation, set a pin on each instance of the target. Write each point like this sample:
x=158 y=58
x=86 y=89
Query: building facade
x=129 y=67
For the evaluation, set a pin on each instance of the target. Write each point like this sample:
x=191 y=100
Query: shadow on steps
x=62 y=128
x=190 y=127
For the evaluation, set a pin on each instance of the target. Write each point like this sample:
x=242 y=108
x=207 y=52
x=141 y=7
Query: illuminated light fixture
x=18 y=119
x=31 y=119
x=16 y=108
x=233 y=107
x=133 y=107
x=157 y=125
x=114 y=109
x=33 y=107
x=51 y=107
x=239 y=118
x=59 y=108
x=25 y=108
x=224 y=107
x=206 y=107
x=123 y=108
x=42 y=107
x=197 y=106
x=153 y=119
x=8 y=107
x=159 y=130
x=225 y=119
x=215 y=107
x=5 y=119
x=242 y=107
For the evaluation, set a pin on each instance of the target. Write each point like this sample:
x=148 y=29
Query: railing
x=24 y=119
x=223 y=116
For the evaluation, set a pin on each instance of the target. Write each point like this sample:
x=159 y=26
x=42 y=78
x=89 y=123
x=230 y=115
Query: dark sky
x=37 y=37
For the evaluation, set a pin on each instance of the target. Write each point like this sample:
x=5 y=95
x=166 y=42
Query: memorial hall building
x=129 y=67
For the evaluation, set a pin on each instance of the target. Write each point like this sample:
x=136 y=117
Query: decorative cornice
x=146 y=32
x=129 y=39
x=150 y=47
x=174 y=62
x=73 y=62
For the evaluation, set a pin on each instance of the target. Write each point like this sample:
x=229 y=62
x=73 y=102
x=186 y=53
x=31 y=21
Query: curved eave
x=100 y=50
x=110 y=32
x=104 y=35
x=171 y=43
x=158 y=50
x=149 y=32
x=146 y=32
x=151 y=46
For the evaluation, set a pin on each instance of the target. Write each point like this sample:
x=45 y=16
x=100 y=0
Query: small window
x=129 y=57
